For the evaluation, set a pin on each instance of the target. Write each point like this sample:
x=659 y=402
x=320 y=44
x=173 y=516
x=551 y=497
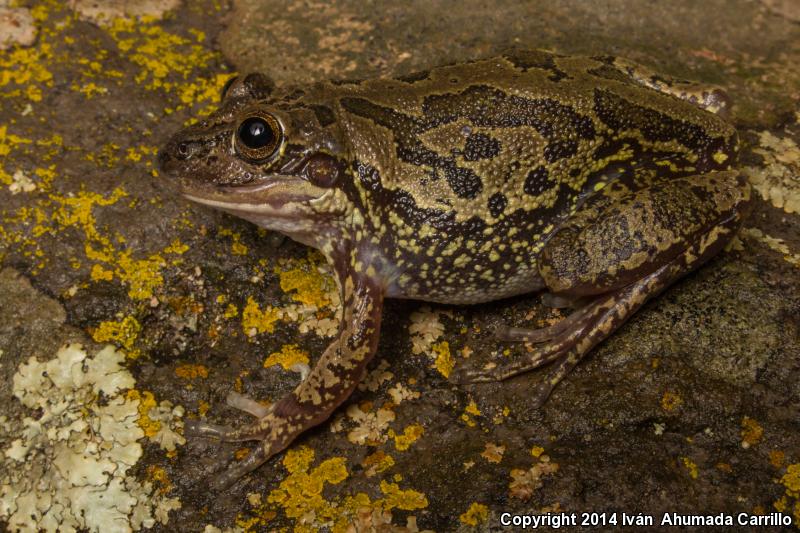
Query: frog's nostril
x=184 y=149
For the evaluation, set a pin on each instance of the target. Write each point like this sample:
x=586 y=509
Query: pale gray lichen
x=64 y=468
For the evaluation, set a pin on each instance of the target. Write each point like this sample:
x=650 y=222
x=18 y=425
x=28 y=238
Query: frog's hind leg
x=620 y=256
x=708 y=97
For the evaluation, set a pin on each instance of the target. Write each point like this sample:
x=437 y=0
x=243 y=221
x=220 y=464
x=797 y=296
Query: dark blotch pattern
x=497 y=204
x=620 y=115
x=415 y=76
x=527 y=59
x=538 y=182
x=484 y=107
x=480 y=146
x=324 y=115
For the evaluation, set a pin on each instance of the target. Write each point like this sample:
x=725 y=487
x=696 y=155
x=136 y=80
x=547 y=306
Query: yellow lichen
x=410 y=435
x=307 y=285
x=407 y=500
x=231 y=311
x=444 y=361
x=791 y=479
x=691 y=467
x=101 y=274
x=376 y=463
x=147 y=401
x=254 y=320
x=476 y=514
x=123 y=332
x=300 y=494
x=157 y=52
x=237 y=248
x=289 y=356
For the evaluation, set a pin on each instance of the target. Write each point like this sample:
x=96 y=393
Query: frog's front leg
x=620 y=250
x=329 y=383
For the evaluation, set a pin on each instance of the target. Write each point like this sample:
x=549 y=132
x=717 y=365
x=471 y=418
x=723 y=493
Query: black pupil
x=256 y=133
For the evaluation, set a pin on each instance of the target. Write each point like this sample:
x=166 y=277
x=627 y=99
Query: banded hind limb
x=617 y=254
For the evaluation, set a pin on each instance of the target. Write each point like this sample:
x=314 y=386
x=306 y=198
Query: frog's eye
x=226 y=87
x=258 y=137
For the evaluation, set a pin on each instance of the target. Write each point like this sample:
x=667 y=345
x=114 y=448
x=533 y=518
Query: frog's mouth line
x=267 y=198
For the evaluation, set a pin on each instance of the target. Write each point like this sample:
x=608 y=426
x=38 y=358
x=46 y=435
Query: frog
x=592 y=180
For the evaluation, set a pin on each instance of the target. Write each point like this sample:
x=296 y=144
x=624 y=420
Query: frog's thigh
x=694 y=217
x=604 y=249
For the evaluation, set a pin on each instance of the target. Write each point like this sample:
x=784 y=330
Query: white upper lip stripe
x=249 y=208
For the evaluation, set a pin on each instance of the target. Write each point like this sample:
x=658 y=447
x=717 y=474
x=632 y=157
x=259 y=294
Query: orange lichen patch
x=525 y=482
x=147 y=401
x=123 y=333
x=370 y=426
x=407 y=500
x=241 y=453
x=376 y=463
x=444 y=361
x=671 y=401
x=289 y=356
x=776 y=458
x=752 y=432
x=493 y=452
x=691 y=466
x=159 y=477
x=254 y=320
x=191 y=371
x=408 y=437
x=476 y=514
x=203 y=407
x=724 y=467
x=305 y=282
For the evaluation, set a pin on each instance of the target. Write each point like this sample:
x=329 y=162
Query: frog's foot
x=275 y=429
x=553 y=343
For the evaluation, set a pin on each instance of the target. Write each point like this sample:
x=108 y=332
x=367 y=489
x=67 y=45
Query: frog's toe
x=246 y=404
x=463 y=375
x=232 y=474
x=197 y=429
x=538 y=335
